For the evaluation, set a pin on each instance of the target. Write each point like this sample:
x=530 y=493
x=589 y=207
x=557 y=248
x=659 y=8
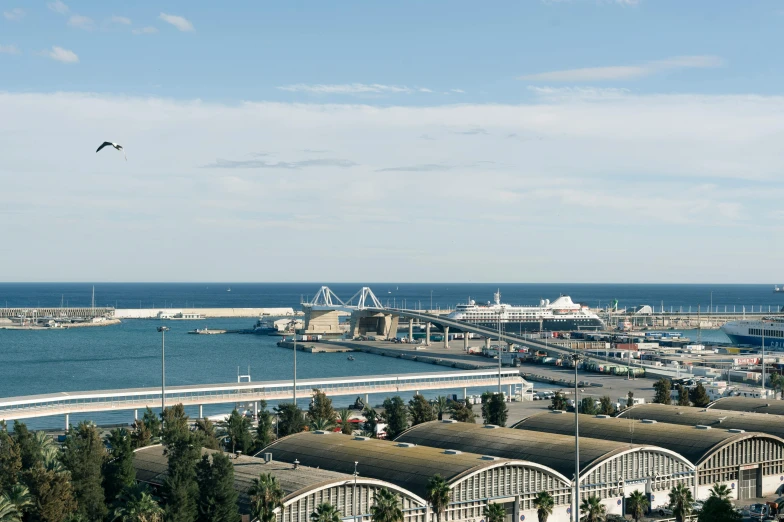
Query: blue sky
x=400 y=141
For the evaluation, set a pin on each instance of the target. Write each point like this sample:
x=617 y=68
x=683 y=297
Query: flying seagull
x=115 y=145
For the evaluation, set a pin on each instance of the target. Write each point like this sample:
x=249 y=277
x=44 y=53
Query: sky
x=442 y=141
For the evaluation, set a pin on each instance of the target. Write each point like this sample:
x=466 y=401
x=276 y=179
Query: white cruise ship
x=752 y=331
x=559 y=316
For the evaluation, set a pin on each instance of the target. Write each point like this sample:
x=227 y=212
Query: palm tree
x=265 y=496
x=325 y=512
x=43 y=442
x=344 y=417
x=8 y=511
x=19 y=496
x=438 y=494
x=138 y=505
x=494 y=513
x=637 y=504
x=721 y=491
x=544 y=504
x=386 y=507
x=593 y=510
x=321 y=424
x=681 y=501
x=441 y=406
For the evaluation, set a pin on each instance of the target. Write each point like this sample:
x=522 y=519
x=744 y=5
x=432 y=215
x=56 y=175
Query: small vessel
x=206 y=331
x=778 y=290
x=350 y=357
x=228 y=289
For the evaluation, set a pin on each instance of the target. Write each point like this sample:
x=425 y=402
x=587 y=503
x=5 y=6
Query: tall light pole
x=763 y=360
x=576 y=503
x=163 y=330
x=293 y=325
x=500 y=352
x=354 y=494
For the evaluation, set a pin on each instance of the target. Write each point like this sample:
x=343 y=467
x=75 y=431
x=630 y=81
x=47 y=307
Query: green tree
x=698 y=396
x=53 y=494
x=683 y=396
x=321 y=408
x=138 y=505
x=419 y=410
x=462 y=412
x=494 y=410
x=544 y=504
x=141 y=435
x=494 y=513
x=663 y=388
x=559 y=402
x=29 y=450
x=264 y=432
x=681 y=501
x=438 y=494
x=721 y=491
x=321 y=425
x=592 y=510
x=119 y=472
x=10 y=460
x=588 y=406
x=344 y=418
x=606 y=406
x=630 y=399
x=205 y=434
x=238 y=433
x=386 y=506
x=325 y=512
x=777 y=383
x=395 y=416
x=84 y=456
x=180 y=489
x=637 y=505
x=290 y=419
x=441 y=406
x=371 y=420
x=217 y=496
x=152 y=421
x=265 y=497
x=19 y=496
x=9 y=512
x=718 y=507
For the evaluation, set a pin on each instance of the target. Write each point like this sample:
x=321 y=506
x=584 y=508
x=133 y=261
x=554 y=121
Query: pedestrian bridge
x=65 y=403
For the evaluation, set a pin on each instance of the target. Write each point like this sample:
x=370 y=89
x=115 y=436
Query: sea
x=128 y=355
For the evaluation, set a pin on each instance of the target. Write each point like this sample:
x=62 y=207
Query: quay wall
x=208 y=313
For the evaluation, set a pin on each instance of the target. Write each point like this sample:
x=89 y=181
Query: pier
x=65 y=403
x=86 y=312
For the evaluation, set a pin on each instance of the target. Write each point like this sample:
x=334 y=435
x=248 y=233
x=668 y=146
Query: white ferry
x=752 y=331
x=559 y=316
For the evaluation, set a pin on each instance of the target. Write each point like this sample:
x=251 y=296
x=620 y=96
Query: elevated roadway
x=65 y=403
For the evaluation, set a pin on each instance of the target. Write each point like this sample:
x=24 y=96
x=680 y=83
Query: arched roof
x=152 y=466
x=555 y=451
x=407 y=465
x=722 y=419
x=693 y=443
x=771 y=406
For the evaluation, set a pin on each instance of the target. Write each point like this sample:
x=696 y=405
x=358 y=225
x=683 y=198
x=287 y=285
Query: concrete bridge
x=65 y=403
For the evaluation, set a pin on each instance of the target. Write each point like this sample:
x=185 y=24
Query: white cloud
x=122 y=20
x=15 y=14
x=9 y=49
x=179 y=22
x=626 y=72
x=458 y=91
x=694 y=172
x=145 y=30
x=58 y=7
x=353 y=88
x=81 y=22
x=62 y=55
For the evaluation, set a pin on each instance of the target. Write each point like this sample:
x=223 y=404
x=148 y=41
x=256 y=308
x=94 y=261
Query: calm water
x=128 y=355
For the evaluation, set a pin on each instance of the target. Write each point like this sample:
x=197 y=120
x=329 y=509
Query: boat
x=350 y=357
x=228 y=289
x=206 y=331
x=778 y=289
x=753 y=331
x=558 y=316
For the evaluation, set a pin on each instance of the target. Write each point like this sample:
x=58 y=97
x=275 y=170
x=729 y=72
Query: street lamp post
x=354 y=494
x=163 y=330
x=576 y=503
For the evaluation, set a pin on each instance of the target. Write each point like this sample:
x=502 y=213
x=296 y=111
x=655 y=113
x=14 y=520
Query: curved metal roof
x=723 y=419
x=152 y=466
x=555 y=451
x=771 y=406
x=693 y=443
x=408 y=467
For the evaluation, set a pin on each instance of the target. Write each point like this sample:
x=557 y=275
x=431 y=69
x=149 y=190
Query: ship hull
x=546 y=325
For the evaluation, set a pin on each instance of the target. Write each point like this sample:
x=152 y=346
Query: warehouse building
x=750 y=463
x=304 y=487
x=724 y=419
x=771 y=406
x=608 y=469
x=475 y=479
